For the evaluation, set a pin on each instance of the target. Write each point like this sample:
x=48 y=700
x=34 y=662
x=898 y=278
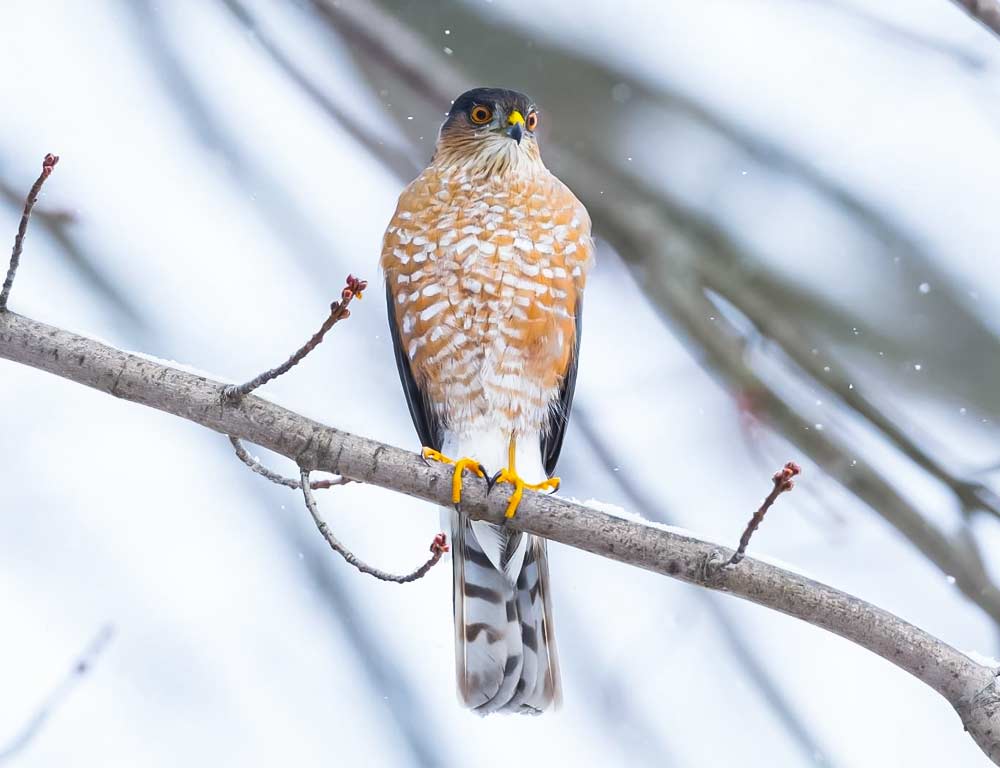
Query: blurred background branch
x=58 y=225
x=986 y=12
x=82 y=666
x=678 y=255
x=777 y=196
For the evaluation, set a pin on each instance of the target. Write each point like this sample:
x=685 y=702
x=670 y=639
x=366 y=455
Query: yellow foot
x=510 y=476
x=460 y=466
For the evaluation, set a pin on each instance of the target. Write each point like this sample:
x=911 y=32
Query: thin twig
x=782 y=482
x=889 y=31
x=274 y=477
x=438 y=547
x=402 y=163
x=83 y=664
x=15 y=257
x=338 y=312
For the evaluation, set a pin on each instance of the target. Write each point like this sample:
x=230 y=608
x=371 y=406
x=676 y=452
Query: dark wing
x=552 y=437
x=427 y=425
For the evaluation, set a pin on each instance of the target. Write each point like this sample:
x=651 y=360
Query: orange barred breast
x=485 y=274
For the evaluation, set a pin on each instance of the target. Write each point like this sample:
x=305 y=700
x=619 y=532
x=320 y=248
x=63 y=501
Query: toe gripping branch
x=506 y=475
x=509 y=475
x=460 y=466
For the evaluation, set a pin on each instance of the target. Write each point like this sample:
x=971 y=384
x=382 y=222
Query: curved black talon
x=492 y=481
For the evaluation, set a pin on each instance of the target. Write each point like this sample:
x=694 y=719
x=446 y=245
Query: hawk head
x=490 y=129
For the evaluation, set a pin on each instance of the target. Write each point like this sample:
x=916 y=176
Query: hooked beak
x=516 y=123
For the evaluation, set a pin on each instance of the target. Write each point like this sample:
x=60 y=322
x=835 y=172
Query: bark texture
x=970 y=687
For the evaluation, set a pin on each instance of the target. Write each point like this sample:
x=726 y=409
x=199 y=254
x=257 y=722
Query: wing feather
x=424 y=420
x=555 y=429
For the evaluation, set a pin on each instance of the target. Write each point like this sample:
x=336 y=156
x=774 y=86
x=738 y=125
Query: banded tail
x=505 y=650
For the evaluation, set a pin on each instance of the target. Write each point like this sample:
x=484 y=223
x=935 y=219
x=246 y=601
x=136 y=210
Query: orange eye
x=532 y=122
x=480 y=115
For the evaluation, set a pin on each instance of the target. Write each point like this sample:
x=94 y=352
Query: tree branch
x=338 y=311
x=274 y=477
x=15 y=257
x=986 y=12
x=782 y=482
x=970 y=687
x=438 y=546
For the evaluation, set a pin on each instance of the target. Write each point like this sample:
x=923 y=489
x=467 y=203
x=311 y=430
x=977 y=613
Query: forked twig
x=83 y=664
x=274 y=477
x=438 y=547
x=338 y=312
x=15 y=257
x=782 y=482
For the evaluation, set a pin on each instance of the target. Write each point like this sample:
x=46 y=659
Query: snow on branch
x=970 y=687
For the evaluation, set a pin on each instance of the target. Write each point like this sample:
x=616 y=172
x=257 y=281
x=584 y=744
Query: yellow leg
x=509 y=475
x=460 y=466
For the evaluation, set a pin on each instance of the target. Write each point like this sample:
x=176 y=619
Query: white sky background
x=230 y=649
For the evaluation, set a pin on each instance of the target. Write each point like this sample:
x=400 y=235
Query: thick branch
x=968 y=686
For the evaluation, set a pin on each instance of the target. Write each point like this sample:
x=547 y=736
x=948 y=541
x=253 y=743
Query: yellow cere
x=515 y=117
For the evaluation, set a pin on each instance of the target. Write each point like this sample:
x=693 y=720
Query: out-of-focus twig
x=83 y=664
x=438 y=546
x=397 y=54
x=901 y=35
x=409 y=716
x=186 y=87
x=58 y=225
x=663 y=240
x=15 y=257
x=338 y=311
x=274 y=477
x=783 y=482
x=398 y=161
x=972 y=496
x=636 y=729
x=753 y=664
x=720 y=351
x=370 y=29
x=547 y=64
x=986 y=12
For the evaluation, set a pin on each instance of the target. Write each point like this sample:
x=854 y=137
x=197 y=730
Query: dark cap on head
x=505 y=99
x=500 y=102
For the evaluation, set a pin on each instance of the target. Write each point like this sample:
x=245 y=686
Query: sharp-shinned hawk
x=485 y=261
